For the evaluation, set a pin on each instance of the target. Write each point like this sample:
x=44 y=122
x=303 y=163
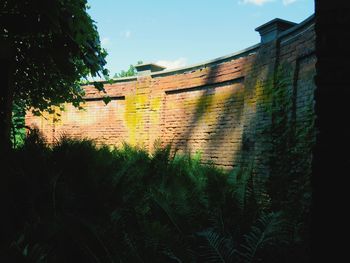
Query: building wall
x=217 y=108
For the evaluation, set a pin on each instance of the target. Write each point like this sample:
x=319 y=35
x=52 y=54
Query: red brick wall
x=216 y=108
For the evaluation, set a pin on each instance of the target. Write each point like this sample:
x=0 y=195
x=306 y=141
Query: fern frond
x=133 y=250
x=267 y=231
x=167 y=211
x=216 y=247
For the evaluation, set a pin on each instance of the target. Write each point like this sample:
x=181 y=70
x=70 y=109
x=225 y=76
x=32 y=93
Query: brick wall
x=216 y=108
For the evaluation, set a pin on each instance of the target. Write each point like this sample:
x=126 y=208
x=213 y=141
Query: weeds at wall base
x=74 y=202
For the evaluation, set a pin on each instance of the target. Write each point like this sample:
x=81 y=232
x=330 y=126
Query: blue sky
x=178 y=33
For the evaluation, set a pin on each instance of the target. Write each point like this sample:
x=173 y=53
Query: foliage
x=18 y=125
x=217 y=248
x=75 y=202
x=54 y=45
x=290 y=155
x=128 y=73
x=268 y=231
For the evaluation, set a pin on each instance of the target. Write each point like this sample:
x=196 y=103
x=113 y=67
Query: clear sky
x=177 y=33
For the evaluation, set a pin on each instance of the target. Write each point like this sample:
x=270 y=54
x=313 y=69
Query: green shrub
x=75 y=202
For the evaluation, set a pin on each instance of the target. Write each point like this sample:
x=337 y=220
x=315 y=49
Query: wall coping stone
x=270 y=30
x=245 y=52
x=235 y=55
x=147 y=68
x=297 y=28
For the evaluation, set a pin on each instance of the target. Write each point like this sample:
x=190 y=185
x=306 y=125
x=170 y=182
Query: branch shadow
x=216 y=125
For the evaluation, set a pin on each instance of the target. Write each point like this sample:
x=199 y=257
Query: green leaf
x=106 y=99
x=99 y=86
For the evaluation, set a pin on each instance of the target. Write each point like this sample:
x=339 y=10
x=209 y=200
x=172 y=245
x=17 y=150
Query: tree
x=47 y=47
x=129 y=73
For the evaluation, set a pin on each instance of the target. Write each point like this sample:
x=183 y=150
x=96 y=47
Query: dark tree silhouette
x=330 y=164
x=46 y=47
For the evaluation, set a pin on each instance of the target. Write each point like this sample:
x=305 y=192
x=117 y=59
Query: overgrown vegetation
x=74 y=202
x=18 y=125
x=289 y=157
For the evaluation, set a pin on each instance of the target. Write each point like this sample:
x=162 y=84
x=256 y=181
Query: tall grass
x=75 y=202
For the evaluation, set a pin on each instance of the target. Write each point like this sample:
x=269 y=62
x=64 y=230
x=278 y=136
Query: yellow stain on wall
x=130 y=117
x=257 y=94
x=141 y=101
x=135 y=107
x=155 y=108
x=205 y=106
x=142 y=111
x=154 y=133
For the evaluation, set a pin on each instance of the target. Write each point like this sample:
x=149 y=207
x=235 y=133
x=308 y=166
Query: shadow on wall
x=224 y=117
x=216 y=119
x=226 y=120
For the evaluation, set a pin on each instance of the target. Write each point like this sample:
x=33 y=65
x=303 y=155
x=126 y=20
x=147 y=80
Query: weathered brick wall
x=216 y=108
x=293 y=51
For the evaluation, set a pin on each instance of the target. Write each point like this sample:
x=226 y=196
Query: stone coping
x=245 y=52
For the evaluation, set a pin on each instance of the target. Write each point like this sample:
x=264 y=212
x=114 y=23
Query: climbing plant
x=290 y=154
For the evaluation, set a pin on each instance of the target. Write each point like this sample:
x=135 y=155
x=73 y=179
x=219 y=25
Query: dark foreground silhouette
x=75 y=202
